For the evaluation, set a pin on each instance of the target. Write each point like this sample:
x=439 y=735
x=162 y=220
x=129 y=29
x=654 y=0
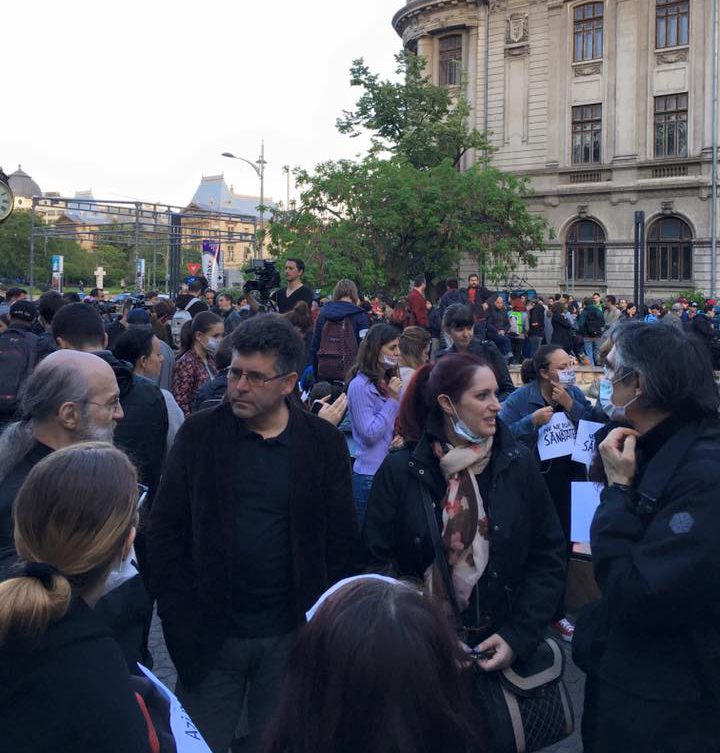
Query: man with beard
x=71 y=397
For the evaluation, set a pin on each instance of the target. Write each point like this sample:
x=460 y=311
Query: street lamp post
x=259 y=168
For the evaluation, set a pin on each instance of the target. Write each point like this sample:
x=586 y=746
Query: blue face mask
x=613 y=412
x=464 y=431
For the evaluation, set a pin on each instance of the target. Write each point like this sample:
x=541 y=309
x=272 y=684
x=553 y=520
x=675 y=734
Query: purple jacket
x=373 y=421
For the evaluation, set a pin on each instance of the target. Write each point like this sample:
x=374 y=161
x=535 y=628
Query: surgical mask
x=213 y=344
x=389 y=361
x=464 y=431
x=566 y=376
x=614 y=412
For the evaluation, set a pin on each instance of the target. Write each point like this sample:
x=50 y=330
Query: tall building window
x=586 y=134
x=588 y=30
x=671 y=120
x=451 y=60
x=669 y=251
x=672 y=23
x=585 y=251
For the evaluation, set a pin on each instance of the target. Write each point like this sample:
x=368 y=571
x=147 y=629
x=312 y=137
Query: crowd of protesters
x=290 y=484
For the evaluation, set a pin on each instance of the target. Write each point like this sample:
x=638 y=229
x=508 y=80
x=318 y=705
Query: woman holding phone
x=374 y=388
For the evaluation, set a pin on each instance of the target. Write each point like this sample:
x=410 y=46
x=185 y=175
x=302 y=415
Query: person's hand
x=397 y=442
x=542 y=415
x=333 y=412
x=394 y=386
x=501 y=332
x=502 y=655
x=428 y=305
x=561 y=396
x=618 y=456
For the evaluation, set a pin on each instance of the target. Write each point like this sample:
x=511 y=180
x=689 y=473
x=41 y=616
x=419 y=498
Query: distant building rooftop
x=21 y=184
x=213 y=195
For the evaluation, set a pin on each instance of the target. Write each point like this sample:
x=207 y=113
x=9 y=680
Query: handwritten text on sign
x=557 y=438
x=585 y=442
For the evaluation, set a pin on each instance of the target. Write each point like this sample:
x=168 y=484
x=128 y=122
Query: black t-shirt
x=262 y=592
x=287 y=303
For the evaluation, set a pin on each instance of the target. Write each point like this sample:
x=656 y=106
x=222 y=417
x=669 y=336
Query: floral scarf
x=464 y=521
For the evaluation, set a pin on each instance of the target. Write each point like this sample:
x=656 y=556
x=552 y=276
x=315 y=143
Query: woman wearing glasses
x=64 y=684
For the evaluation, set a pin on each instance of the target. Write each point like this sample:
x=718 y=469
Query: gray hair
x=48 y=387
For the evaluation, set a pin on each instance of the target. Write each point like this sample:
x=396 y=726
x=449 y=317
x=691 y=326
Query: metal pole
x=636 y=265
x=714 y=207
x=32 y=247
x=287 y=193
x=262 y=196
x=641 y=265
x=136 y=249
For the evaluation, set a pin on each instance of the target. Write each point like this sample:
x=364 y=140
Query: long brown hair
x=74 y=512
x=368 y=355
x=413 y=342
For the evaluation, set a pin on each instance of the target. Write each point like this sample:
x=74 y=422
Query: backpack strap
x=190 y=304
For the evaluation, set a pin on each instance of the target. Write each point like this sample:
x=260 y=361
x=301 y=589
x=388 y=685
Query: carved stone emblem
x=587 y=69
x=672 y=56
x=517 y=29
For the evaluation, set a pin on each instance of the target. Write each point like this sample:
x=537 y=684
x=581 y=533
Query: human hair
x=708 y=307
x=134 y=343
x=558 y=308
x=80 y=325
x=300 y=317
x=270 y=334
x=223 y=355
x=451 y=283
x=71 y=297
x=587 y=301
x=413 y=342
x=299 y=263
x=95 y=292
x=676 y=368
x=611 y=299
x=376 y=670
x=52 y=383
x=419 y=280
x=14 y=293
x=530 y=369
x=368 y=355
x=345 y=288
x=201 y=324
x=475 y=275
x=195 y=286
x=450 y=375
x=457 y=316
x=226 y=296
x=324 y=389
x=49 y=304
x=75 y=513
x=164 y=309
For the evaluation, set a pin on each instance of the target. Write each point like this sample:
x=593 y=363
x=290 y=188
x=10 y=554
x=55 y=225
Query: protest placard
x=585 y=442
x=585 y=498
x=557 y=438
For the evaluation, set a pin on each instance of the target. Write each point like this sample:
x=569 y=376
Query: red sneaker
x=565 y=629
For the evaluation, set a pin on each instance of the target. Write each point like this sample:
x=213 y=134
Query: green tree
x=405 y=207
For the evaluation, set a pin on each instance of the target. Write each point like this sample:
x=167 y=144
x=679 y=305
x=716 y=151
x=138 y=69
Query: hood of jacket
x=123 y=370
x=336 y=310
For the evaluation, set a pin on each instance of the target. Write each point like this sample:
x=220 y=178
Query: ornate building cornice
x=423 y=14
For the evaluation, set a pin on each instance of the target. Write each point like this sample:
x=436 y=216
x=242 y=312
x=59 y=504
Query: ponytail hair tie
x=42 y=572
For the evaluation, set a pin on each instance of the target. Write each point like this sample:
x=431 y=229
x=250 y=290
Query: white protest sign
x=557 y=438
x=585 y=498
x=585 y=442
x=187 y=737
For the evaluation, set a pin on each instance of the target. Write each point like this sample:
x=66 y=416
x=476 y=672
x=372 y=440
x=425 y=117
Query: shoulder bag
x=525 y=707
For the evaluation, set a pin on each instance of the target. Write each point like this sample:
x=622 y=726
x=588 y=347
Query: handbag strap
x=440 y=559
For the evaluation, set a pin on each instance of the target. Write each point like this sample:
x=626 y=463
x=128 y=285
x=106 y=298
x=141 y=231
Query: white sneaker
x=565 y=629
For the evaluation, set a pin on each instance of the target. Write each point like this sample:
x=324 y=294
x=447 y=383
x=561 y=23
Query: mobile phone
x=317 y=406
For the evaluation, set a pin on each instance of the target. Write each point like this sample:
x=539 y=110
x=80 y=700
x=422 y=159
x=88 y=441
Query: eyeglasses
x=142 y=494
x=254 y=378
x=111 y=406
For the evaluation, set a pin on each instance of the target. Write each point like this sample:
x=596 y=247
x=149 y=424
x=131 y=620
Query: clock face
x=6 y=201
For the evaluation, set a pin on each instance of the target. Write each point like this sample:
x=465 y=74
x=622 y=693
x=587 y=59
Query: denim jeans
x=502 y=341
x=361 y=483
x=534 y=342
x=591 y=350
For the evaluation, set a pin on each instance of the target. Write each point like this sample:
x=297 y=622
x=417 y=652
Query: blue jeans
x=502 y=341
x=361 y=483
x=590 y=347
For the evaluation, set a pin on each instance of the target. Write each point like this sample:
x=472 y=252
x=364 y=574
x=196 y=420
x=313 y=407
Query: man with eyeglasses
x=71 y=397
x=254 y=519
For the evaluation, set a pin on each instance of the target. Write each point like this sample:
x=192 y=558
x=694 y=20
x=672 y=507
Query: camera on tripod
x=266 y=280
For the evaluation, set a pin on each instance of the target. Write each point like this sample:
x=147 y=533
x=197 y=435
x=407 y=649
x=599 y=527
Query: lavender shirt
x=373 y=420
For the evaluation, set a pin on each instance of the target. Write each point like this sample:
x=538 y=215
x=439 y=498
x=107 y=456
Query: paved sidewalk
x=165 y=671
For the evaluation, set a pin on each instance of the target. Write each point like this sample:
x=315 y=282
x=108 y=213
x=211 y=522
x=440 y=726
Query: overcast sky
x=137 y=100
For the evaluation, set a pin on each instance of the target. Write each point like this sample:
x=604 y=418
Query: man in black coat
x=253 y=521
x=651 y=646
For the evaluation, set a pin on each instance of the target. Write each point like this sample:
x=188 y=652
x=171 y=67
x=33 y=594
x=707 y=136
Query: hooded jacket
x=335 y=311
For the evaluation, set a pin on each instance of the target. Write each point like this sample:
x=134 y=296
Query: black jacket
x=563 y=332
x=498 y=319
x=69 y=691
x=142 y=433
x=191 y=536
x=656 y=630
x=525 y=576
x=489 y=351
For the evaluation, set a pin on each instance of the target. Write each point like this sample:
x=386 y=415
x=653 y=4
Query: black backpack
x=18 y=356
x=594 y=322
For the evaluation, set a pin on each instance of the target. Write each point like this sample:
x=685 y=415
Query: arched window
x=669 y=251
x=585 y=251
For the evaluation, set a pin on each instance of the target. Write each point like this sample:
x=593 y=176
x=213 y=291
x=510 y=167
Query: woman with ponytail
x=501 y=536
x=64 y=684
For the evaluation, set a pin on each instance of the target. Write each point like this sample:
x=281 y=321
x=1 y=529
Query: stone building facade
x=605 y=106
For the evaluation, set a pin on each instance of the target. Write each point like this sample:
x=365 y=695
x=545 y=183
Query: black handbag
x=525 y=707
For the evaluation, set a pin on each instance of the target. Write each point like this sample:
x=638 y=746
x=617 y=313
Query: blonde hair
x=413 y=342
x=346 y=289
x=74 y=513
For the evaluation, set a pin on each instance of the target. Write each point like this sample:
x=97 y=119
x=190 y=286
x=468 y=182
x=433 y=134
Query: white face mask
x=389 y=361
x=566 y=376
x=213 y=344
x=464 y=431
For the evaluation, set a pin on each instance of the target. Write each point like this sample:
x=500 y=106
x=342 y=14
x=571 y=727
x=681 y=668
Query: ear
x=68 y=416
x=445 y=405
x=105 y=342
x=63 y=344
x=289 y=384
